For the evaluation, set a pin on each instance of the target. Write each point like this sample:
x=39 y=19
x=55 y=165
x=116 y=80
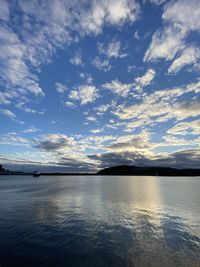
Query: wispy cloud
x=60 y=88
x=118 y=88
x=7 y=113
x=76 y=60
x=101 y=64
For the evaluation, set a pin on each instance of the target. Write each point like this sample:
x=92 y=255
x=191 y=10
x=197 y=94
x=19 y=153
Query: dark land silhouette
x=160 y=171
x=118 y=170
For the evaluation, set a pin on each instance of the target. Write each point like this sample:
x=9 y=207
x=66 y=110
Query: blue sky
x=90 y=84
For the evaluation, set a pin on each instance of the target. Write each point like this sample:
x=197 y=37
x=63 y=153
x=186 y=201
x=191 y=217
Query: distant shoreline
x=115 y=170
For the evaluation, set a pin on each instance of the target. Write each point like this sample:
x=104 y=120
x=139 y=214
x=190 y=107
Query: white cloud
x=157 y=2
x=145 y=80
x=60 y=88
x=131 y=68
x=39 y=28
x=31 y=130
x=113 y=12
x=14 y=70
x=85 y=94
x=136 y=35
x=102 y=109
x=69 y=104
x=171 y=40
x=118 y=88
x=113 y=49
x=76 y=60
x=91 y=118
x=87 y=77
x=95 y=131
x=165 y=44
x=161 y=106
x=186 y=128
x=22 y=106
x=7 y=113
x=179 y=12
x=101 y=64
x=123 y=89
x=189 y=55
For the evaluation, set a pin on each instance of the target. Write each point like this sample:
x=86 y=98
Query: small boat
x=36 y=174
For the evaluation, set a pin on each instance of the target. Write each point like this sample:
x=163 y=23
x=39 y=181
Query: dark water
x=99 y=221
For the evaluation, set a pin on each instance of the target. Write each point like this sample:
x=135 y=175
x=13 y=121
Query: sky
x=89 y=84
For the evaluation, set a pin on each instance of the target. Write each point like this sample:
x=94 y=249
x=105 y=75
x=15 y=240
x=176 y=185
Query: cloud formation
x=85 y=94
x=169 y=42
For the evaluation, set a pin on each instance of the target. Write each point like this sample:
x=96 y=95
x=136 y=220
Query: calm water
x=99 y=221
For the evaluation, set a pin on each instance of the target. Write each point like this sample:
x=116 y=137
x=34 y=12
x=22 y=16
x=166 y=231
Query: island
x=155 y=171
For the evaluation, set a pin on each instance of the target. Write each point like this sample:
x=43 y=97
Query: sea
x=79 y=221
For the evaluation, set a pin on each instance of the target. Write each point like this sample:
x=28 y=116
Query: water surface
x=99 y=221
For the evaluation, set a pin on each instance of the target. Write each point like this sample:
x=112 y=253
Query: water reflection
x=96 y=222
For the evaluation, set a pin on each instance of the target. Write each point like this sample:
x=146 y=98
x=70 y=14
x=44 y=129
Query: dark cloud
x=180 y=159
x=54 y=142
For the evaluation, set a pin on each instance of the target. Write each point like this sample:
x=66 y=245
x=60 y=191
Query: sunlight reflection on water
x=99 y=221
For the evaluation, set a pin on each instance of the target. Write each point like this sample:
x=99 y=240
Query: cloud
x=54 y=142
x=136 y=35
x=31 y=130
x=157 y=2
x=140 y=142
x=181 y=159
x=123 y=89
x=87 y=77
x=189 y=55
x=178 y=12
x=170 y=41
x=118 y=88
x=165 y=44
x=32 y=32
x=4 y=11
x=145 y=80
x=95 y=131
x=161 y=106
x=101 y=64
x=60 y=88
x=131 y=68
x=186 y=128
x=69 y=104
x=91 y=118
x=65 y=163
x=113 y=12
x=13 y=139
x=102 y=109
x=113 y=49
x=76 y=60
x=7 y=113
x=22 y=106
x=85 y=94
x=15 y=72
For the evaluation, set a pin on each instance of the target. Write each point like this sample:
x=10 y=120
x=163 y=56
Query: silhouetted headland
x=160 y=171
